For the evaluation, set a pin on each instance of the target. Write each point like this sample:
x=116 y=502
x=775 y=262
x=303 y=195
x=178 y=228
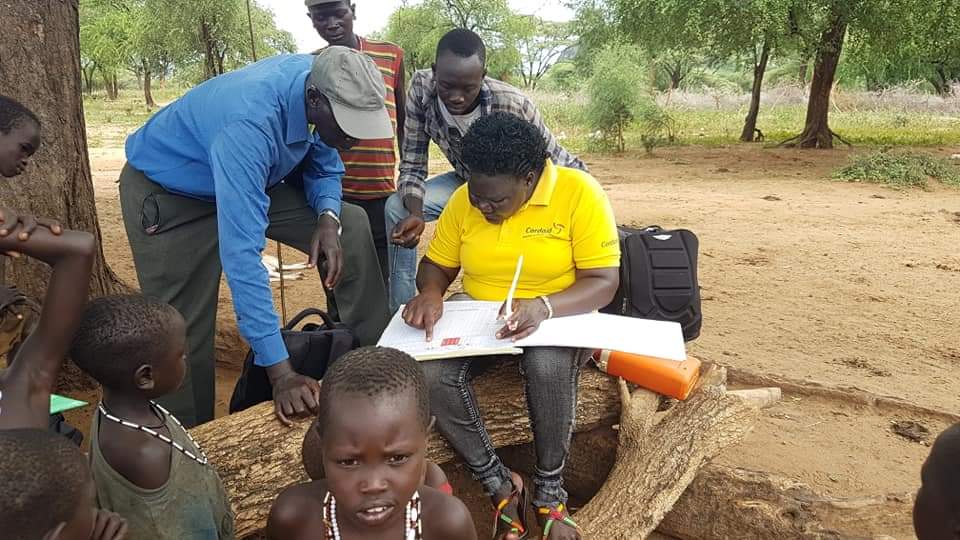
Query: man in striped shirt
x=442 y=104
x=370 y=165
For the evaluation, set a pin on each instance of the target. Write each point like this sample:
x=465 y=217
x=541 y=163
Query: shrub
x=657 y=126
x=901 y=169
x=615 y=93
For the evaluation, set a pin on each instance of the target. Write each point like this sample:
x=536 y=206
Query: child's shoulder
x=445 y=516
x=296 y=509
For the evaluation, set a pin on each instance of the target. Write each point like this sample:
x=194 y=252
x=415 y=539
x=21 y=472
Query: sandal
x=518 y=495
x=553 y=516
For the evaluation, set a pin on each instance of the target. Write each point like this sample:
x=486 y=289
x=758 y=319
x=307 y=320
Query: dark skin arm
x=400 y=96
x=425 y=309
x=27 y=384
x=592 y=290
x=294 y=395
x=408 y=230
x=297 y=513
x=445 y=517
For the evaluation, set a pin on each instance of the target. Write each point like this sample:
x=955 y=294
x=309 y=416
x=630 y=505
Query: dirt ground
x=803 y=277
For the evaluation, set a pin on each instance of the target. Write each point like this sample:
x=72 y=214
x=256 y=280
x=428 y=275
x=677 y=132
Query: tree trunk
x=209 y=55
x=260 y=459
x=40 y=67
x=759 y=69
x=816 y=132
x=147 y=86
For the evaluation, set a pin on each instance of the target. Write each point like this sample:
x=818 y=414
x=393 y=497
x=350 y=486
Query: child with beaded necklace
x=146 y=466
x=373 y=423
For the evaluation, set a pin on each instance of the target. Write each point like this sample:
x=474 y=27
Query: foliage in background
x=900 y=169
x=615 y=94
x=196 y=39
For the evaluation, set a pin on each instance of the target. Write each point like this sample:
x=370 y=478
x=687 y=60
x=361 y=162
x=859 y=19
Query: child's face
x=16 y=148
x=374 y=457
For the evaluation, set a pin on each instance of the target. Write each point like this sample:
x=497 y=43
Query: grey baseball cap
x=311 y=3
x=354 y=86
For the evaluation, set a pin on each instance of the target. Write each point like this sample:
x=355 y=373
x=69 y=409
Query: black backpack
x=658 y=278
x=312 y=348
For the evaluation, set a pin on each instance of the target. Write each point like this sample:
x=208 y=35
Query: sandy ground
x=803 y=277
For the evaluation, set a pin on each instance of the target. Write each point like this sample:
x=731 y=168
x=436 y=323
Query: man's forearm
x=414 y=205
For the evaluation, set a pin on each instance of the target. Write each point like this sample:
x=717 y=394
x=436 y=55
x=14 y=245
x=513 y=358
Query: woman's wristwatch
x=331 y=213
x=546 y=302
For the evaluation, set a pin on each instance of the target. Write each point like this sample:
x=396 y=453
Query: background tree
x=418 y=28
x=615 y=92
x=539 y=43
x=41 y=68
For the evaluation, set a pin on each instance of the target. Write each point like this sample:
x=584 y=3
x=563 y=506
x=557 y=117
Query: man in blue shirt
x=243 y=157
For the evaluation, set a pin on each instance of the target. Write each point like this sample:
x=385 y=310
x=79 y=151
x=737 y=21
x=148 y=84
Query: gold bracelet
x=546 y=302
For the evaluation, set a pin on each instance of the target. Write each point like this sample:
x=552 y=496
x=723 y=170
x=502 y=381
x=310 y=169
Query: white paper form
x=659 y=339
x=467 y=328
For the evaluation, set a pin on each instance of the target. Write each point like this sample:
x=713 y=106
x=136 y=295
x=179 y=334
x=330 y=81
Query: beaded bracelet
x=546 y=302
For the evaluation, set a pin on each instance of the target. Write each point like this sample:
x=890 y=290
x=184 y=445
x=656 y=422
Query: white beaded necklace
x=413 y=529
x=201 y=459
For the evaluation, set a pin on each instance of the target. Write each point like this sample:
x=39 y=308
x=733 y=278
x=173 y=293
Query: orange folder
x=667 y=377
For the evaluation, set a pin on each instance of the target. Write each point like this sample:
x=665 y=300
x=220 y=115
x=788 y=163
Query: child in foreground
x=145 y=465
x=373 y=423
x=47 y=490
x=936 y=513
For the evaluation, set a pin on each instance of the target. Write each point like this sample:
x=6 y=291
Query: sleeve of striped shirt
x=416 y=142
x=558 y=153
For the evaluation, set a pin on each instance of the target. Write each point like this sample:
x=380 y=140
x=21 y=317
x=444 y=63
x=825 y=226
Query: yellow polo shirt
x=566 y=225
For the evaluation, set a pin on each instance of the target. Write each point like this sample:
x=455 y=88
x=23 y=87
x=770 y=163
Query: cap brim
x=363 y=125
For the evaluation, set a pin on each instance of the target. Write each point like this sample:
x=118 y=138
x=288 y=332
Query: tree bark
x=147 y=86
x=659 y=453
x=40 y=67
x=816 y=132
x=727 y=502
x=759 y=69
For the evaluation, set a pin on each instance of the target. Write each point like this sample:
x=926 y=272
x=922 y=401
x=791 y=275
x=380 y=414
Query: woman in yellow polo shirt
x=517 y=202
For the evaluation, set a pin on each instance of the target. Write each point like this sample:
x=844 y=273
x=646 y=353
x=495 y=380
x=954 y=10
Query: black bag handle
x=327 y=321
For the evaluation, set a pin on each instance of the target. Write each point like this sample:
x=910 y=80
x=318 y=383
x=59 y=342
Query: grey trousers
x=176 y=253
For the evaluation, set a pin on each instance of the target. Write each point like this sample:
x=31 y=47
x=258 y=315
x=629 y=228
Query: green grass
x=109 y=122
x=899 y=169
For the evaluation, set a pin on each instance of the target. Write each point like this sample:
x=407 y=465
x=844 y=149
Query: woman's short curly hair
x=503 y=143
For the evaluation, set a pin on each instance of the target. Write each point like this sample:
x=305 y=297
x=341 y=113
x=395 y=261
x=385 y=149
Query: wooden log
x=659 y=454
x=257 y=457
x=727 y=502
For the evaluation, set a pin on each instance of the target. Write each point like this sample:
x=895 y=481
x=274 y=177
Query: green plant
x=657 y=126
x=900 y=169
x=614 y=93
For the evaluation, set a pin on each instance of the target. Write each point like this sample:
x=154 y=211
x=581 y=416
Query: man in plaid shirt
x=442 y=103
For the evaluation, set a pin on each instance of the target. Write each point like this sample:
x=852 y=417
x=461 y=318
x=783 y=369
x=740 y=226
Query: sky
x=291 y=15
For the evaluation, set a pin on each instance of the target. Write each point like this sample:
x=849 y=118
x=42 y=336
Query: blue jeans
x=403 y=261
x=550 y=376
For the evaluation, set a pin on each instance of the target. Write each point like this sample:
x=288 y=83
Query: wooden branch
x=659 y=453
x=257 y=457
x=727 y=502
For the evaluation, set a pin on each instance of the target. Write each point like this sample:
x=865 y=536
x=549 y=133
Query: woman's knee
x=545 y=365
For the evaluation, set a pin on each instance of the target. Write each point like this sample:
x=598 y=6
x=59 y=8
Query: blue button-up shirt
x=229 y=140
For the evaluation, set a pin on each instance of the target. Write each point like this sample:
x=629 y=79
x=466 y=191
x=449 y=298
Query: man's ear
x=484 y=71
x=54 y=533
x=353 y=9
x=313 y=97
x=433 y=68
x=143 y=377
